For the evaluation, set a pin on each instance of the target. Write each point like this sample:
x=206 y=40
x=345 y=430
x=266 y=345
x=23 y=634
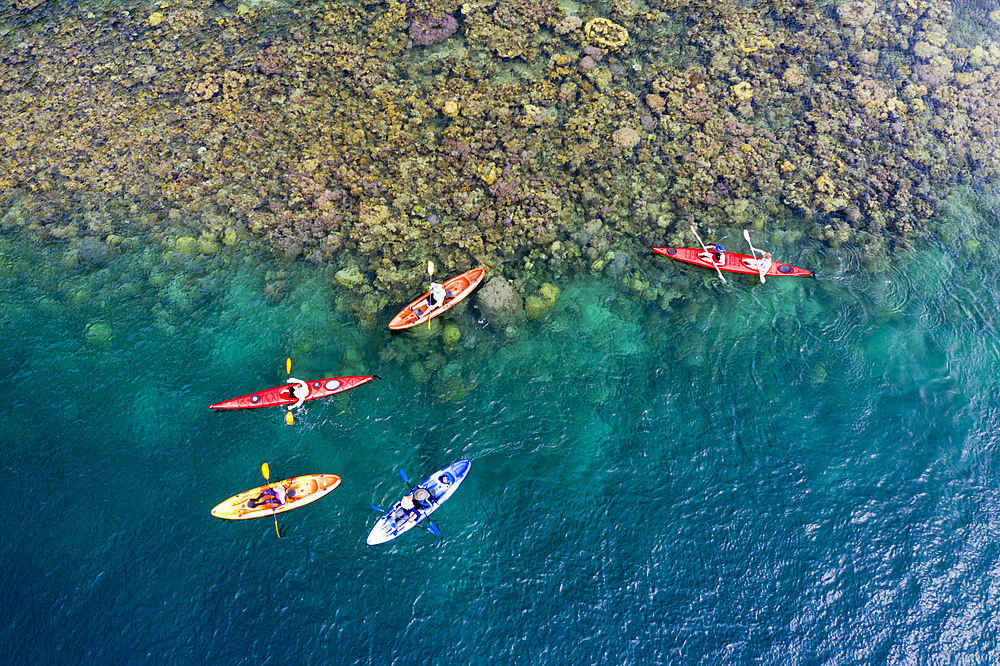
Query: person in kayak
x=762 y=265
x=411 y=507
x=718 y=256
x=445 y=480
x=421 y=498
x=435 y=298
x=298 y=391
x=276 y=495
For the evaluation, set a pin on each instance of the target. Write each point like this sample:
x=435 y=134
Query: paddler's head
x=407 y=502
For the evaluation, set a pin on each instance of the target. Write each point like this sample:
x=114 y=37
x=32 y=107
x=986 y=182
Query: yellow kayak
x=300 y=491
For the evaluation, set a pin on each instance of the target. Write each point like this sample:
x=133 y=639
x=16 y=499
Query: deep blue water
x=800 y=472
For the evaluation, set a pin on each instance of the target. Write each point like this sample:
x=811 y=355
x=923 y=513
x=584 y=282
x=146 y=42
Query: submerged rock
x=535 y=307
x=418 y=373
x=549 y=292
x=350 y=277
x=99 y=334
x=500 y=302
x=452 y=334
x=451 y=385
x=93 y=251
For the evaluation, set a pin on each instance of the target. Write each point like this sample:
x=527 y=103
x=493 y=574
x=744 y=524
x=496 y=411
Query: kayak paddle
x=430 y=275
x=435 y=531
x=289 y=418
x=266 y=471
x=709 y=254
x=753 y=251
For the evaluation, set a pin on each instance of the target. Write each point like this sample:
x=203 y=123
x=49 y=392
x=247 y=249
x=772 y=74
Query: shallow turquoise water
x=799 y=472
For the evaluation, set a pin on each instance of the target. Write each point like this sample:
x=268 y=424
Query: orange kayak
x=300 y=490
x=457 y=287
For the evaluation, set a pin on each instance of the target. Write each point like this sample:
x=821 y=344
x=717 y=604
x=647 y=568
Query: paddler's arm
x=301 y=391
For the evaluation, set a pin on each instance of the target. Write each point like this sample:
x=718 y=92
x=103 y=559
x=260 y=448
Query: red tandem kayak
x=278 y=395
x=734 y=262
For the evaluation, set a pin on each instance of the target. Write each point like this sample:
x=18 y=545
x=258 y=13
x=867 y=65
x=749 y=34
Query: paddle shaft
x=753 y=251
x=289 y=419
x=265 y=469
x=721 y=277
x=430 y=277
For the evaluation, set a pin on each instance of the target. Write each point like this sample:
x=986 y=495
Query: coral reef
x=625 y=137
x=425 y=30
x=530 y=142
x=605 y=33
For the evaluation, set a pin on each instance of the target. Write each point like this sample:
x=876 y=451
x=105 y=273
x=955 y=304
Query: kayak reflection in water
x=718 y=256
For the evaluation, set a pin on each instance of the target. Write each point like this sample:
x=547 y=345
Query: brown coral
x=605 y=33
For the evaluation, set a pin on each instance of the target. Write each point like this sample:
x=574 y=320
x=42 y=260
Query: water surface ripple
x=800 y=472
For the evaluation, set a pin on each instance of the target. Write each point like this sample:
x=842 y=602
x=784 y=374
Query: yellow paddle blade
x=288 y=366
x=266 y=471
x=289 y=418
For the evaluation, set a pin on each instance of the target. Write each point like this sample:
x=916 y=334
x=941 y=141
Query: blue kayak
x=421 y=502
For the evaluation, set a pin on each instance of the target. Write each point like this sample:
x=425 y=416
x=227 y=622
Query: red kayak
x=278 y=395
x=734 y=262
